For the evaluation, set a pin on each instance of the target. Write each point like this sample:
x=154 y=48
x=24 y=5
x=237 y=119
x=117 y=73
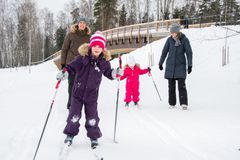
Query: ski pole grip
x=59 y=81
x=120 y=65
x=149 y=73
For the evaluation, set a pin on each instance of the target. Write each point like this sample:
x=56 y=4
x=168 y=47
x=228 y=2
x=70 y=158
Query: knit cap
x=97 y=39
x=82 y=19
x=175 y=28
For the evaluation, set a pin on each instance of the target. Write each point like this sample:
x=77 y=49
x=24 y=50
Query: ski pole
x=150 y=74
x=56 y=87
x=115 y=125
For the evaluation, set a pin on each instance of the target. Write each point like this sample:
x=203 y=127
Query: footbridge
x=128 y=38
x=125 y=39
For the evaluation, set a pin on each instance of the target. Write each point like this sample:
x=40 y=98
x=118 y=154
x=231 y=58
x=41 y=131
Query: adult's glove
x=117 y=73
x=189 y=69
x=63 y=65
x=160 y=67
x=62 y=75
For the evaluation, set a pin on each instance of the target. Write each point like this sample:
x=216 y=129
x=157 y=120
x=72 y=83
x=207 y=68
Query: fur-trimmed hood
x=84 y=48
x=74 y=29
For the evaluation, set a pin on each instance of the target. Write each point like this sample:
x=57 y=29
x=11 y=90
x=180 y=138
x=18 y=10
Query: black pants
x=70 y=86
x=181 y=89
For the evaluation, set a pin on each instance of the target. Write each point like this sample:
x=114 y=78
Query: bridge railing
x=138 y=30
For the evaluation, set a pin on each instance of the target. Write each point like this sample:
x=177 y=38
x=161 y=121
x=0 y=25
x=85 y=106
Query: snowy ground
x=209 y=130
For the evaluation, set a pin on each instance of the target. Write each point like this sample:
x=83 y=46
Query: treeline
x=29 y=35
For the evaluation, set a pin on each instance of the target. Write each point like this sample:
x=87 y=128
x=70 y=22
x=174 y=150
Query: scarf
x=177 y=39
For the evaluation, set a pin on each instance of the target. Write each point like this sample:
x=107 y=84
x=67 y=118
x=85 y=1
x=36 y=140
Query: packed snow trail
x=208 y=130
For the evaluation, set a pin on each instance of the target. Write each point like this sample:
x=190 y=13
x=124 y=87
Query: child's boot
x=68 y=140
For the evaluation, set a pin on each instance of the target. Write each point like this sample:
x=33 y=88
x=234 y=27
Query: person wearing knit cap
x=78 y=35
x=178 y=51
x=89 y=66
x=132 y=72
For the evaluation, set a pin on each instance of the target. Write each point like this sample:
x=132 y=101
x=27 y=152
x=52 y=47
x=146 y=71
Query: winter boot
x=184 y=106
x=171 y=106
x=94 y=143
x=136 y=103
x=68 y=140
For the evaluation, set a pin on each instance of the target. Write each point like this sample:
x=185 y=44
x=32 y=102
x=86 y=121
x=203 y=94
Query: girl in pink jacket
x=132 y=72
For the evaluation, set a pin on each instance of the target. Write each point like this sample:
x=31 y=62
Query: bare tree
x=3 y=5
x=61 y=19
x=85 y=9
x=163 y=8
x=27 y=48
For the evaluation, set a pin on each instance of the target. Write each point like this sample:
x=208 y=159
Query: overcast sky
x=53 y=6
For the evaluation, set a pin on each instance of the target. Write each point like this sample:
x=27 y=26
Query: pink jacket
x=132 y=76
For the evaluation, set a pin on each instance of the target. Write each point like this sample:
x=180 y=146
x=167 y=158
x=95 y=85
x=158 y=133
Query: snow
x=208 y=130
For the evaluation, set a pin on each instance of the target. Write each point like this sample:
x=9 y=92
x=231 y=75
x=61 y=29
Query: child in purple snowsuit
x=89 y=66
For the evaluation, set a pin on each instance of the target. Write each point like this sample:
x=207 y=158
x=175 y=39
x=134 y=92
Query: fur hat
x=175 y=28
x=97 y=39
x=131 y=61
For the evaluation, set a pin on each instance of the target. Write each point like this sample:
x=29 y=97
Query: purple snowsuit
x=85 y=90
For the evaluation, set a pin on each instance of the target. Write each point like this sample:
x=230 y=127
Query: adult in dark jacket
x=89 y=67
x=78 y=35
x=178 y=51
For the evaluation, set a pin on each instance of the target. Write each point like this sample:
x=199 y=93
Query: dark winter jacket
x=73 y=40
x=89 y=73
x=178 y=57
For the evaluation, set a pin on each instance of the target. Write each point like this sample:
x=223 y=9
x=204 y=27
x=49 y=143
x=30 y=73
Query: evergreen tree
x=105 y=13
x=48 y=33
x=230 y=11
x=177 y=13
x=75 y=15
x=98 y=15
x=151 y=18
x=166 y=15
x=215 y=10
x=59 y=37
x=123 y=16
x=204 y=11
x=145 y=18
x=47 y=47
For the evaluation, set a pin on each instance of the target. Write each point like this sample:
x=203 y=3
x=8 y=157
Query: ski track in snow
x=167 y=135
x=24 y=137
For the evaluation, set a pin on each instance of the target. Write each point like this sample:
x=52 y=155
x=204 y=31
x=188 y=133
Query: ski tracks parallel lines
x=64 y=152
x=20 y=143
x=167 y=134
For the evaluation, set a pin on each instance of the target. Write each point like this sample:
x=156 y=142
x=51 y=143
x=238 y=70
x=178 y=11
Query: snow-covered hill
x=209 y=130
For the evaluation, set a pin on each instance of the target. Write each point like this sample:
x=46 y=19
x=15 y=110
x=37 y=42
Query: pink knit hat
x=97 y=39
